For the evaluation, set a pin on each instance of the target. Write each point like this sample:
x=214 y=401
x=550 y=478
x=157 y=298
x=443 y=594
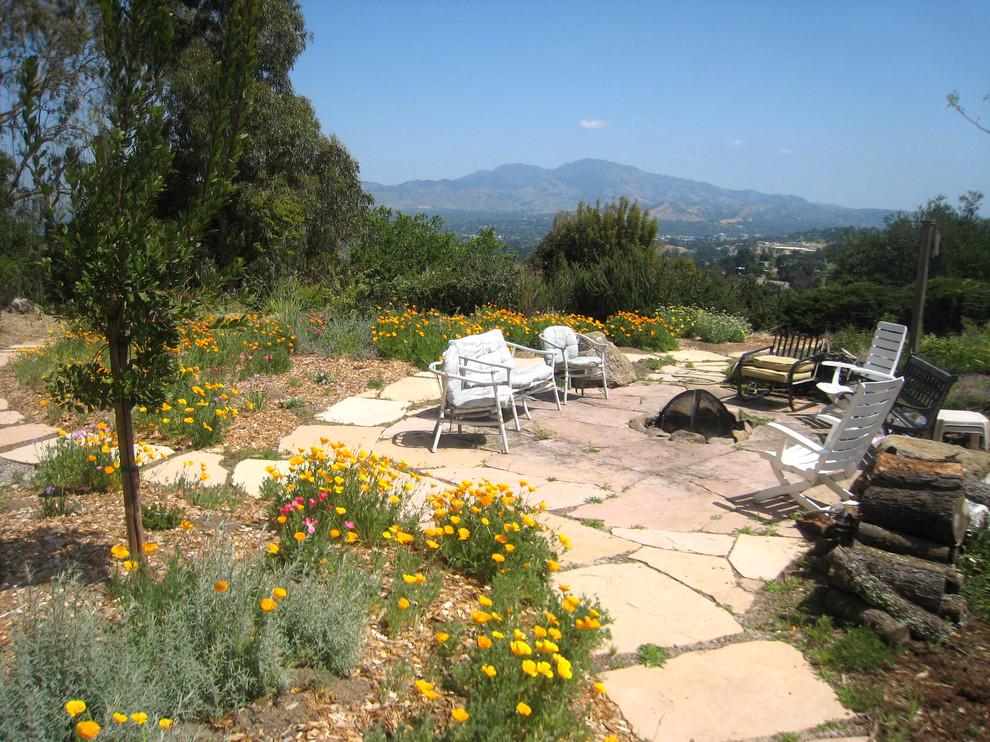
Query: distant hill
x=525 y=194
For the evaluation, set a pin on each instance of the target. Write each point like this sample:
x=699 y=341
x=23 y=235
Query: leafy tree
x=53 y=43
x=890 y=256
x=20 y=243
x=299 y=197
x=952 y=100
x=413 y=259
x=122 y=269
x=591 y=234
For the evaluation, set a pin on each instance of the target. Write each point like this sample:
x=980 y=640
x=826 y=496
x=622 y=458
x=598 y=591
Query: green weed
x=652 y=655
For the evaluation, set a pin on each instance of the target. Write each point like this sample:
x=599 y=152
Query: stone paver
x=741 y=691
x=713 y=544
x=10 y=417
x=588 y=544
x=416 y=389
x=15 y=435
x=764 y=557
x=30 y=454
x=188 y=468
x=648 y=607
x=250 y=474
x=697 y=356
x=367 y=412
x=4 y=405
x=307 y=436
x=477 y=474
x=558 y=494
x=710 y=575
x=654 y=502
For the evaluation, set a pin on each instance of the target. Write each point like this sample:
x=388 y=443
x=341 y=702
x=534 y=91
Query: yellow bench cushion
x=775 y=363
x=767 y=374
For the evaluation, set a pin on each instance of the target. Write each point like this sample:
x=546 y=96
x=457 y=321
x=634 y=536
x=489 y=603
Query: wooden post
x=927 y=247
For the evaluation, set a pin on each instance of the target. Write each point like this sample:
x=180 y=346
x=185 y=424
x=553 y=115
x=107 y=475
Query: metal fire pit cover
x=699 y=411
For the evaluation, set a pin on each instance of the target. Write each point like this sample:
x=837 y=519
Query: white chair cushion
x=527 y=376
x=479 y=397
x=561 y=336
x=584 y=362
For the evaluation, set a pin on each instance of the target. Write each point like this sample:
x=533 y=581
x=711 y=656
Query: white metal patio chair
x=839 y=455
x=467 y=397
x=880 y=364
x=570 y=361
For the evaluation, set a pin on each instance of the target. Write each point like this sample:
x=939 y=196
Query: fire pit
x=696 y=411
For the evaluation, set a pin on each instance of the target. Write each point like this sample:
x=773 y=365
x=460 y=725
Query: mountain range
x=524 y=192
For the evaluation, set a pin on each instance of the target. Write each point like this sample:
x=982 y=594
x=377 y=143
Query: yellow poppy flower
x=87 y=729
x=460 y=714
x=75 y=707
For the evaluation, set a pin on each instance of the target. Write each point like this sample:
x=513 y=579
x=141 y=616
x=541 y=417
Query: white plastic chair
x=567 y=357
x=839 y=455
x=880 y=364
x=467 y=397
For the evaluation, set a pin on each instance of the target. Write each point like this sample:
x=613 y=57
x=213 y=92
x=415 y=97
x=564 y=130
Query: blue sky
x=834 y=101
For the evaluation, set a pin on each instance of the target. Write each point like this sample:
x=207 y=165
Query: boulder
x=22 y=306
x=620 y=371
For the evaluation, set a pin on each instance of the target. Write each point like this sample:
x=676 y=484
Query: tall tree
x=123 y=269
x=299 y=195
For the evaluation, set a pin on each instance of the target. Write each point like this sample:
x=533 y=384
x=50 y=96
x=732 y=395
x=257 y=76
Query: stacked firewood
x=894 y=568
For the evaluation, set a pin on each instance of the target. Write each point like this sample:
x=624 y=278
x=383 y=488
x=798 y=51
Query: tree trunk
x=853 y=608
x=921 y=582
x=902 y=543
x=129 y=479
x=850 y=575
x=901 y=472
x=937 y=516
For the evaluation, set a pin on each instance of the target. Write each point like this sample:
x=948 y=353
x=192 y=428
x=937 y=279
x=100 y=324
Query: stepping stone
x=713 y=544
x=416 y=389
x=355 y=437
x=15 y=435
x=10 y=417
x=655 y=502
x=3 y=402
x=250 y=474
x=588 y=544
x=30 y=454
x=697 y=356
x=366 y=412
x=759 y=689
x=650 y=608
x=188 y=469
x=710 y=575
x=6 y=356
x=765 y=557
x=559 y=494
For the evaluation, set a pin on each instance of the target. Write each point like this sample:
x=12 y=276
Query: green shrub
x=85 y=459
x=646 y=333
x=975 y=564
x=196 y=410
x=333 y=495
x=158 y=517
x=722 y=327
x=958 y=354
x=970 y=393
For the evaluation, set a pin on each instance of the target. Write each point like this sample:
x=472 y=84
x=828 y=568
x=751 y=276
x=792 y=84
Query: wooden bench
x=922 y=396
x=790 y=363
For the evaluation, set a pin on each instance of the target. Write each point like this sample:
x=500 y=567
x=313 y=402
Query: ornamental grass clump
x=333 y=495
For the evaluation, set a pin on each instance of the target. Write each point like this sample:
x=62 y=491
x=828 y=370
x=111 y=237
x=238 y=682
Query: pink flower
x=323 y=496
x=348 y=525
x=310 y=525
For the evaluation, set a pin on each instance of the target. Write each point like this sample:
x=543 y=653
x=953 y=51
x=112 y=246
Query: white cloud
x=737 y=143
x=593 y=124
x=788 y=152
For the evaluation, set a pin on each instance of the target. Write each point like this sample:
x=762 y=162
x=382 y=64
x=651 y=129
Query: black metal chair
x=922 y=396
x=790 y=362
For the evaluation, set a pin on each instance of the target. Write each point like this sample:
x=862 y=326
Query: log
x=901 y=472
x=923 y=583
x=850 y=607
x=846 y=571
x=937 y=516
x=902 y=543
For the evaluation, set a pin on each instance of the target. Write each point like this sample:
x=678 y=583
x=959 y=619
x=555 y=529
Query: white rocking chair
x=838 y=457
x=880 y=365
